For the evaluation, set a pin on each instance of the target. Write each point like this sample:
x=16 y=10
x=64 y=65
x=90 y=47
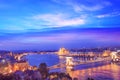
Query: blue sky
x=40 y=24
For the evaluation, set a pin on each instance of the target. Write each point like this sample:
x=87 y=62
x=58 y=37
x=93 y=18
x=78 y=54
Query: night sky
x=51 y=24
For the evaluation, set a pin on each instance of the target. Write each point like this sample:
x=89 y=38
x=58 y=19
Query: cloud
x=86 y=5
x=113 y=14
x=64 y=37
x=94 y=7
x=59 y=20
x=54 y=38
x=103 y=15
x=78 y=8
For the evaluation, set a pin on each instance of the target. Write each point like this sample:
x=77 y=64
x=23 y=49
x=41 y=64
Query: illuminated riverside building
x=106 y=53
x=63 y=51
x=5 y=67
x=21 y=65
x=9 y=64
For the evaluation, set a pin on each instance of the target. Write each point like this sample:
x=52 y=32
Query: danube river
x=98 y=71
x=36 y=59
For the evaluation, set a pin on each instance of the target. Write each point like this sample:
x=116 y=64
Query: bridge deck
x=78 y=62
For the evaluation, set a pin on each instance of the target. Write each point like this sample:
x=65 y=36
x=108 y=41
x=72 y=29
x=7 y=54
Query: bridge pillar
x=114 y=56
x=69 y=63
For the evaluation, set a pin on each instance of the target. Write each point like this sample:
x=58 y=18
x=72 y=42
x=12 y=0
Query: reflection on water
x=61 y=60
x=106 y=72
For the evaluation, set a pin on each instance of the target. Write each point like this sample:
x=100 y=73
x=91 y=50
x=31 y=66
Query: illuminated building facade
x=106 y=53
x=63 y=51
x=5 y=66
x=21 y=65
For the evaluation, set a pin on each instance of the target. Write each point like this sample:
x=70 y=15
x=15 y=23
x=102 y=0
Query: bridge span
x=72 y=63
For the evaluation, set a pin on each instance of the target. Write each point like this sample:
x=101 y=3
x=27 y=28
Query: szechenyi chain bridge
x=73 y=59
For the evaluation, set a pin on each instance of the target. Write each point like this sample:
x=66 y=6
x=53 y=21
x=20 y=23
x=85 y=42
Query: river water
x=36 y=59
x=98 y=71
x=103 y=72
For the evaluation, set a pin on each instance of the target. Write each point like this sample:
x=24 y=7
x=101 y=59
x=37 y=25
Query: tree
x=43 y=70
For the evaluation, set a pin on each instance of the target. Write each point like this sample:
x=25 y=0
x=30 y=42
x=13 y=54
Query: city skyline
x=51 y=24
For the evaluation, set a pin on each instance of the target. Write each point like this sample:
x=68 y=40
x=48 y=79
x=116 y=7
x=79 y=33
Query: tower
x=69 y=63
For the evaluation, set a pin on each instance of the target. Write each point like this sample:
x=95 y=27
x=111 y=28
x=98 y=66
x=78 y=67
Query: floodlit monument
x=106 y=53
x=63 y=51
